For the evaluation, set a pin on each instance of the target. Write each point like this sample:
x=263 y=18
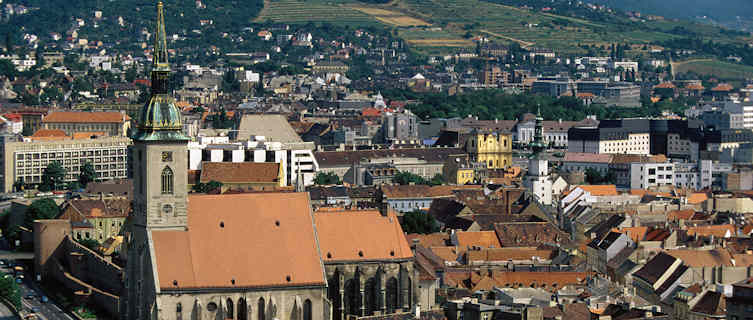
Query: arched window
x=242 y=309
x=260 y=309
x=167 y=181
x=229 y=314
x=307 y=310
x=179 y=311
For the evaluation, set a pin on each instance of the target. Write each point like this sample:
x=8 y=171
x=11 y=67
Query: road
x=31 y=296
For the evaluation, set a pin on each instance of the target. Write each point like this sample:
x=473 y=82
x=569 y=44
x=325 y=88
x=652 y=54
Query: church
x=245 y=256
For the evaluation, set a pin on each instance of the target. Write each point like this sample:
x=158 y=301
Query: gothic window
x=260 y=309
x=242 y=309
x=307 y=310
x=167 y=181
x=229 y=314
x=179 y=311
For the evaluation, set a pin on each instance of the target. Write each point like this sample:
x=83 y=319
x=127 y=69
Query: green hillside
x=451 y=22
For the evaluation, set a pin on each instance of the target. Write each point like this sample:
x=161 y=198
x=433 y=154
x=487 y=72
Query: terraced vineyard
x=293 y=11
x=431 y=24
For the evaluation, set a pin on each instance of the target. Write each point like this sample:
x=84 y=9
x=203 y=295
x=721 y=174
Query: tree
x=87 y=174
x=41 y=209
x=593 y=176
x=326 y=178
x=419 y=222
x=9 y=289
x=19 y=185
x=206 y=187
x=52 y=177
x=437 y=180
x=405 y=177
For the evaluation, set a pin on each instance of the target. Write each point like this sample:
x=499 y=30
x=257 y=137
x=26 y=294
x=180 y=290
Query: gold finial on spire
x=160 y=42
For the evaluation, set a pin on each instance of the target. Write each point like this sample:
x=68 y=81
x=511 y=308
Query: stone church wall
x=279 y=303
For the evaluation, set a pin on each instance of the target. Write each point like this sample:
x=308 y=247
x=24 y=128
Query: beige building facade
x=26 y=161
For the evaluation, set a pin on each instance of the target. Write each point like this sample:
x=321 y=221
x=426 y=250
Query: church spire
x=159 y=58
x=160 y=118
x=538 y=144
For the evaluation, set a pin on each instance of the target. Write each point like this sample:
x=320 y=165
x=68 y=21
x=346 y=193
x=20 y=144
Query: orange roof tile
x=538 y=279
x=696 y=198
x=703 y=258
x=43 y=133
x=429 y=240
x=240 y=172
x=360 y=235
x=507 y=254
x=695 y=86
x=422 y=191
x=722 y=87
x=86 y=117
x=272 y=239
x=88 y=135
x=446 y=253
x=665 y=85
x=637 y=234
x=600 y=190
x=719 y=231
x=483 y=239
x=371 y=112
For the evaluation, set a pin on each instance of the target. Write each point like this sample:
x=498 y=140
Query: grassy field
x=393 y=18
x=720 y=69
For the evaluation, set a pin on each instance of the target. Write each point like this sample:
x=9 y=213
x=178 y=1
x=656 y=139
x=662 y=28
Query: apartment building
x=295 y=158
x=26 y=161
x=114 y=124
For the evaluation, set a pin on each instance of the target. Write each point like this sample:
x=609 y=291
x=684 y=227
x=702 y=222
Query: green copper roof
x=160 y=119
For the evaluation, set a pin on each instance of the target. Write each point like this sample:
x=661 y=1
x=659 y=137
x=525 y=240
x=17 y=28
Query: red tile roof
x=360 y=235
x=241 y=240
x=483 y=239
x=240 y=172
x=44 y=133
x=86 y=117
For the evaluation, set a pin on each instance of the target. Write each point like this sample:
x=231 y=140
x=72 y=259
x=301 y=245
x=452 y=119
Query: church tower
x=160 y=164
x=160 y=149
x=537 y=179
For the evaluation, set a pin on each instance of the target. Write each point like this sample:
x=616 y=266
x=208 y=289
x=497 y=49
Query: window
x=167 y=181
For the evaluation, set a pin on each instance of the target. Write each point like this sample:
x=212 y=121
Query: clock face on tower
x=167 y=156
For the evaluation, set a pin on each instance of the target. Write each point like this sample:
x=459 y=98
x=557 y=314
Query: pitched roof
x=422 y=191
x=637 y=234
x=88 y=135
x=43 y=133
x=447 y=253
x=665 y=85
x=346 y=158
x=711 y=303
x=85 y=117
x=600 y=190
x=283 y=251
x=723 y=87
x=703 y=258
x=538 y=279
x=528 y=234
x=360 y=235
x=656 y=267
x=507 y=254
x=81 y=209
x=483 y=239
x=437 y=239
x=588 y=157
x=719 y=231
x=273 y=127
x=240 y=172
